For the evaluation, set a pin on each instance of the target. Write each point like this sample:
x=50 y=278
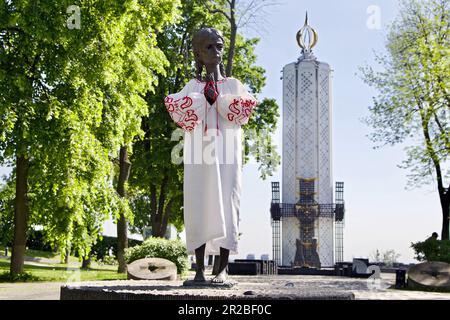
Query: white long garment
x=212 y=155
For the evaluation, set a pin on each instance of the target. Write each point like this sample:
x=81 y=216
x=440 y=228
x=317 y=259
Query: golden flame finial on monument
x=307 y=37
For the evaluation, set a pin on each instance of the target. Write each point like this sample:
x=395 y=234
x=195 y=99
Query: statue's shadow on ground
x=187 y=285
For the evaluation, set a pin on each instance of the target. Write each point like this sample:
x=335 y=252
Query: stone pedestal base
x=174 y=290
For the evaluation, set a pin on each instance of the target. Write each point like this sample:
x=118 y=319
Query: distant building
x=171 y=232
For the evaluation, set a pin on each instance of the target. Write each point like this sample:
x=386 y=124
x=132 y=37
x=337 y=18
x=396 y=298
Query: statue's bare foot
x=222 y=277
x=200 y=276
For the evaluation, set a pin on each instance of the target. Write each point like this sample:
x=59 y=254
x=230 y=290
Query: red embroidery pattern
x=191 y=116
x=234 y=109
x=179 y=111
x=187 y=103
x=241 y=110
x=169 y=105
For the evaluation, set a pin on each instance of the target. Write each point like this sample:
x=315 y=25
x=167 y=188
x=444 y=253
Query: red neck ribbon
x=211 y=100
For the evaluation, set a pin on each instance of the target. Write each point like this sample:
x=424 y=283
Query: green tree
x=413 y=103
x=140 y=61
x=71 y=86
x=6 y=215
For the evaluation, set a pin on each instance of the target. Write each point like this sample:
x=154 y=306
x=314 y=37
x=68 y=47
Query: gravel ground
x=361 y=288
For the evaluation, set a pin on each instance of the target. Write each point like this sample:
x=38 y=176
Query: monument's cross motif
x=307 y=225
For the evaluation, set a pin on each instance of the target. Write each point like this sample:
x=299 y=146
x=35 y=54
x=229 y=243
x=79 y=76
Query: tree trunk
x=158 y=218
x=122 y=225
x=122 y=243
x=445 y=203
x=231 y=52
x=444 y=195
x=153 y=206
x=20 y=216
x=86 y=263
x=165 y=220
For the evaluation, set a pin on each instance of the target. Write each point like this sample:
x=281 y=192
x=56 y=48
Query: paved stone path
x=364 y=289
x=360 y=287
x=30 y=291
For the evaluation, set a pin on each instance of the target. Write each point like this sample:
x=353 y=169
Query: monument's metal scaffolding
x=308 y=212
x=339 y=221
x=276 y=231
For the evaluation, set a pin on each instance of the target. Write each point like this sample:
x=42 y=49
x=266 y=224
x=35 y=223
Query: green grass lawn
x=42 y=254
x=61 y=272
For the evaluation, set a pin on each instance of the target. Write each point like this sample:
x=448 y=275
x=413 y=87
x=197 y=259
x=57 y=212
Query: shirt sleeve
x=237 y=106
x=186 y=108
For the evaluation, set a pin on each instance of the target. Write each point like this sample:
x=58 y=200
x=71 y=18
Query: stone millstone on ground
x=174 y=290
x=152 y=269
x=431 y=275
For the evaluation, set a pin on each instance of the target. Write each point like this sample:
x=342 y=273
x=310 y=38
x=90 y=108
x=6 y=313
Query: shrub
x=172 y=250
x=21 y=277
x=432 y=250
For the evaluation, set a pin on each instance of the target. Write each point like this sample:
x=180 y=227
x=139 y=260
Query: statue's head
x=208 y=44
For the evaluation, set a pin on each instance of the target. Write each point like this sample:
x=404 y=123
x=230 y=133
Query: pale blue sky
x=380 y=213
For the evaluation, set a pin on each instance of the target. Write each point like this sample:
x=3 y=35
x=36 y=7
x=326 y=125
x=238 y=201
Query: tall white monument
x=307 y=223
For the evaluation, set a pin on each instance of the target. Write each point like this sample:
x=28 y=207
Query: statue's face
x=210 y=50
